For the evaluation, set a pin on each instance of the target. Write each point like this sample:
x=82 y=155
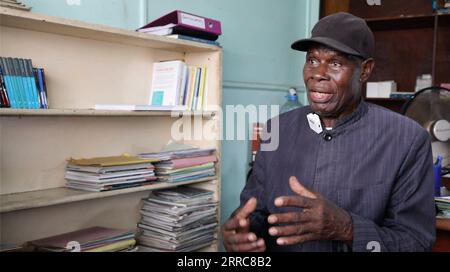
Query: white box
x=382 y=89
x=372 y=90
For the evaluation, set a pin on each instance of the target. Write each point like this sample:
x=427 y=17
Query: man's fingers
x=248 y=209
x=241 y=238
x=293 y=240
x=231 y=224
x=293 y=217
x=294 y=201
x=299 y=189
x=257 y=246
x=291 y=230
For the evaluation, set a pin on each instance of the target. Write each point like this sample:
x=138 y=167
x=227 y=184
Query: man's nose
x=321 y=72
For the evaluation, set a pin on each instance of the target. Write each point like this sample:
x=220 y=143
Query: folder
x=186 y=24
x=111 y=161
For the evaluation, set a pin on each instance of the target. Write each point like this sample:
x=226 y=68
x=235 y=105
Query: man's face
x=332 y=81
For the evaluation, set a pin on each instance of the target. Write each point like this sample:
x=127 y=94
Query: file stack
x=109 y=173
x=443 y=205
x=13 y=4
x=184 y=165
x=95 y=239
x=185 y=26
x=178 y=220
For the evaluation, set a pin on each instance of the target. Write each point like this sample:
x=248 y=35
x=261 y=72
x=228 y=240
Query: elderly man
x=348 y=175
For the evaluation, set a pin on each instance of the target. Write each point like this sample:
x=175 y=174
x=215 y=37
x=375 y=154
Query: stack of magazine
x=13 y=4
x=95 y=239
x=109 y=173
x=184 y=165
x=178 y=220
x=443 y=205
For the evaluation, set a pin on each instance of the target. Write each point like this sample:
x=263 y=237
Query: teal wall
x=259 y=65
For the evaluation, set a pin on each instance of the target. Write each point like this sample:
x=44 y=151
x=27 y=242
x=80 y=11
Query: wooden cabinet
x=411 y=40
x=86 y=65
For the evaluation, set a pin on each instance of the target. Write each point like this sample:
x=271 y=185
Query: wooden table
x=442 y=236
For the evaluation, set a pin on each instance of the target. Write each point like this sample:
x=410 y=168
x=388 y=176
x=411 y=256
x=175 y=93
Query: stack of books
x=185 y=26
x=174 y=83
x=95 y=239
x=178 y=220
x=443 y=205
x=13 y=4
x=21 y=85
x=183 y=165
x=109 y=173
x=441 y=6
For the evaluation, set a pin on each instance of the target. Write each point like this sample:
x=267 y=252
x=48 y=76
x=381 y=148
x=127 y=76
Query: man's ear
x=366 y=69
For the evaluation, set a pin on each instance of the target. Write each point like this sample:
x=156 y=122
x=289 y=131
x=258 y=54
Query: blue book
x=13 y=86
x=21 y=97
x=23 y=76
x=42 y=87
x=32 y=83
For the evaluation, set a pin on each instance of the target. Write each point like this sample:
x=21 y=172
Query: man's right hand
x=236 y=231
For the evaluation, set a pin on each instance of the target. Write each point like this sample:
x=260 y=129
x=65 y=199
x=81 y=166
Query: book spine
x=15 y=92
x=8 y=82
x=193 y=76
x=22 y=93
x=32 y=83
x=3 y=94
x=25 y=84
x=197 y=88
x=43 y=87
x=184 y=85
x=202 y=89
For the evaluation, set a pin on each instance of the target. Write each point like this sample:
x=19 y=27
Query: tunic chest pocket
x=369 y=202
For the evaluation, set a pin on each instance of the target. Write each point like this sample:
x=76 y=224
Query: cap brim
x=305 y=44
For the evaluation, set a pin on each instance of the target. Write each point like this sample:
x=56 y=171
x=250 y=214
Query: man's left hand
x=319 y=219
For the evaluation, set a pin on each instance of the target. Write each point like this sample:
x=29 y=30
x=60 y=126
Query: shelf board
x=407 y=21
x=388 y=100
x=101 y=113
x=57 y=196
x=67 y=27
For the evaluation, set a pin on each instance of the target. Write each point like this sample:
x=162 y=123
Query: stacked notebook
x=95 y=239
x=13 y=4
x=183 y=165
x=443 y=205
x=178 y=220
x=109 y=173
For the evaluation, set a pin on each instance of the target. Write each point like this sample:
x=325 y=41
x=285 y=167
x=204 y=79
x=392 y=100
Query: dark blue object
x=437 y=176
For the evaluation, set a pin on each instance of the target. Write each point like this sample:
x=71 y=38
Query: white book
x=167 y=83
x=156 y=28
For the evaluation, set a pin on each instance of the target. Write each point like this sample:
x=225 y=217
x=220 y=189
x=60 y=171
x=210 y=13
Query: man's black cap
x=341 y=31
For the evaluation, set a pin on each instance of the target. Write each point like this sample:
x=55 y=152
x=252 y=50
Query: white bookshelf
x=85 y=65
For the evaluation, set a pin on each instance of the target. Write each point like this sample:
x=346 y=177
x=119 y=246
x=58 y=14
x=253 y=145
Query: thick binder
x=186 y=24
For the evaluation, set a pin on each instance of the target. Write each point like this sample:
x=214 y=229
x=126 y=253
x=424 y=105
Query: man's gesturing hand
x=319 y=220
x=236 y=231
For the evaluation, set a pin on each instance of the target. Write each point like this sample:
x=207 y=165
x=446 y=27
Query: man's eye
x=336 y=64
x=312 y=61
